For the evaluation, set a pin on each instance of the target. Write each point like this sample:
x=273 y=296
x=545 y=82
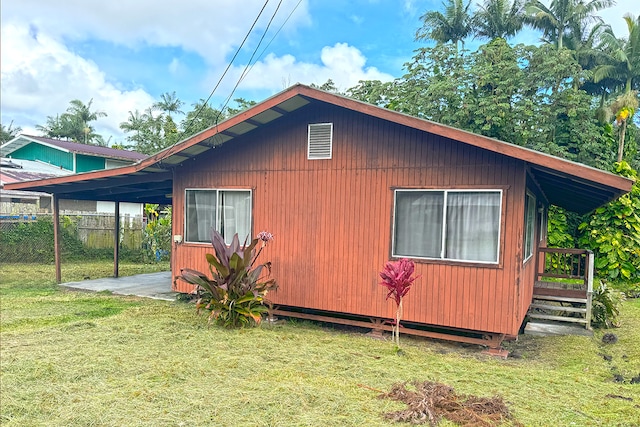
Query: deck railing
x=564 y=276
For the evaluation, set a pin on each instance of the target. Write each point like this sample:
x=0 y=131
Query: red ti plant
x=397 y=278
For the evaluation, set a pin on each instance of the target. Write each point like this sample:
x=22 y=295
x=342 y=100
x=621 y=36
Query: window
x=446 y=224
x=543 y=223
x=320 y=141
x=228 y=211
x=529 y=224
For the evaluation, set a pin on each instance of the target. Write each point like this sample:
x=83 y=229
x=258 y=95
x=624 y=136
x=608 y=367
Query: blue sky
x=124 y=54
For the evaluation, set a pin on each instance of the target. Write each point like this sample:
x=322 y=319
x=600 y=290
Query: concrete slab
x=553 y=329
x=152 y=285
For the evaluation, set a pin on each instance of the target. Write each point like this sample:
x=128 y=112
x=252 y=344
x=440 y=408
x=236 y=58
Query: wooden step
x=561 y=299
x=559 y=308
x=560 y=285
x=557 y=318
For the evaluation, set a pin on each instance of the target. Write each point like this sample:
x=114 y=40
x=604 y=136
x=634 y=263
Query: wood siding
x=332 y=219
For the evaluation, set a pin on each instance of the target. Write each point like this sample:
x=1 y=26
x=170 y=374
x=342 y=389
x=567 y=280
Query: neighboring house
x=26 y=202
x=32 y=157
x=346 y=187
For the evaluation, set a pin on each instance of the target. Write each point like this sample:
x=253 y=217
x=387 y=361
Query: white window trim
x=543 y=223
x=217 y=190
x=444 y=224
x=309 y=141
x=534 y=202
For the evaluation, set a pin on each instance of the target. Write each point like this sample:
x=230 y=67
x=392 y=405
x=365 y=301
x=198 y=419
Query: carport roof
x=571 y=185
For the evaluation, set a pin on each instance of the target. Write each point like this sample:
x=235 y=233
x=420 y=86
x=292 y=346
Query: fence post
x=56 y=237
x=116 y=238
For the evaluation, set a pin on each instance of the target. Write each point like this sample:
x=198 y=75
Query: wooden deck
x=563 y=288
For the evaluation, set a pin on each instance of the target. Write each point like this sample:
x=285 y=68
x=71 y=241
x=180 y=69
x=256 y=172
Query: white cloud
x=40 y=76
x=343 y=64
x=211 y=29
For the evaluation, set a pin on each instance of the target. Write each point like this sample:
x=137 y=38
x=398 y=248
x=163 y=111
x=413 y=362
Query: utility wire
x=246 y=68
x=225 y=71
x=272 y=38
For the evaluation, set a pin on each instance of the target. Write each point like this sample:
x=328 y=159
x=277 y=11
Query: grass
x=91 y=359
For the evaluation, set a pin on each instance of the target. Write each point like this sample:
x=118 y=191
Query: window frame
x=446 y=192
x=217 y=201
x=530 y=205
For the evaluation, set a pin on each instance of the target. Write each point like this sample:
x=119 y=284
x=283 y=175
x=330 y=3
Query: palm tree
x=452 y=26
x=563 y=17
x=499 y=19
x=623 y=65
x=9 y=132
x=78 y=116
x=169 y=103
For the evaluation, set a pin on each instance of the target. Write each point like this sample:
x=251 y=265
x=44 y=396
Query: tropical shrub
x=397 y=278
x=612 y=232
x=235 y=295
x=605 y=306
x=157 y=233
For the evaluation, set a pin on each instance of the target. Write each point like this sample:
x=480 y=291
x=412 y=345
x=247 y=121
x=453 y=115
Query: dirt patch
x=431 y=401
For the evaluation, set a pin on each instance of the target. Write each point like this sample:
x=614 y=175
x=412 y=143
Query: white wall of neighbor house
x=126 y=208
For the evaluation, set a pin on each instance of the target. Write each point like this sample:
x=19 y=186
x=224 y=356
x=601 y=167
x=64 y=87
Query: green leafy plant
x=397 y=277
x=157 y=233
x=235 y=295
x=613 y=233
x=605 y=306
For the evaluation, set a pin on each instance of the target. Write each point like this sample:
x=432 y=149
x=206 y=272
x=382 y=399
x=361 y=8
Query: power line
x=226 y=70
x=244 y=72
x=273 y=38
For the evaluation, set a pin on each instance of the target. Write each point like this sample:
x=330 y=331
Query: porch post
x=589 y=274
x=56 y=237
x=116 y=239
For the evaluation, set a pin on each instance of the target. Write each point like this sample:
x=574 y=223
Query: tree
x=9 y=132
x=74 y=124
x=563 y=17
x=454 y=25
x=79 y=115
x=622 y=58
x=498 y=19
x=169 y=103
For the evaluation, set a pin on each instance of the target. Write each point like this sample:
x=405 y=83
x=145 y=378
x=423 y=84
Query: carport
x=146 y=181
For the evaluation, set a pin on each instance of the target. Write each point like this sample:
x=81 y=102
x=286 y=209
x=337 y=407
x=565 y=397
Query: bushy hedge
x=33 y=242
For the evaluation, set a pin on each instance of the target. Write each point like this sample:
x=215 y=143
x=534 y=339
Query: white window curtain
x=201 y=215
x=456 y=225
x=473 y=224
x=229 y=212
x=235 y=215
x=419 y=223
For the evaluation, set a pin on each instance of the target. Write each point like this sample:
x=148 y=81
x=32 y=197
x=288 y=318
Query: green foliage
x=7 y=133
x=74 y=124
x=33 y=242
x=559 y=234
x=605 y=306
x=613 y=233
x=235 y=295
x=157 y=233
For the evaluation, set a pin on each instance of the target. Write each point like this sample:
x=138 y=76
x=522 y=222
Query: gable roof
x=70 y=147
x=571 y=185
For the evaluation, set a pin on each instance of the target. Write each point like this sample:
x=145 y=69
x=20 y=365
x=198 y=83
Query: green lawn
x=71 y=358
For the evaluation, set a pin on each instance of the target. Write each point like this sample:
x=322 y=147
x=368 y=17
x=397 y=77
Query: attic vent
x=320 y=141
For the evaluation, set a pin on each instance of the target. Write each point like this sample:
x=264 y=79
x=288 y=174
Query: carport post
x=116 y=239
x=56 y=237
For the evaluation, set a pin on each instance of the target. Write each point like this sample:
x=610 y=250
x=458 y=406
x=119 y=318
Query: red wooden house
x=345 y=187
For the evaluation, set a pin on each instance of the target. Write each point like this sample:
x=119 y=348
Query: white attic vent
x=320 y=141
